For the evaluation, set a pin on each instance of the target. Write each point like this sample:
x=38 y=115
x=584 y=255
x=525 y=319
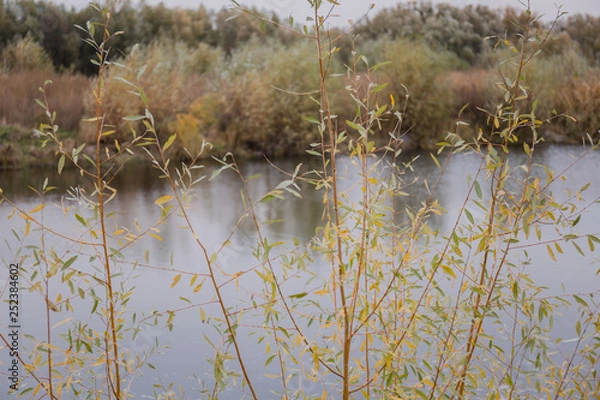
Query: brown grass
x=580 y=98
x=472 y=87
x=18 y=91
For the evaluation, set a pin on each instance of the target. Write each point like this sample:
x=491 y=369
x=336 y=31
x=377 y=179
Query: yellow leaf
x=52 y=306
x=321 y=292
x=36 y=209
x=237 y=275
x=155 y=236
x=170 y=141
x=551 y=253
x=198 y=287
x=448 y=270
x=392 y=100
x=163 y=200
x=62 y=322
x=175 y=280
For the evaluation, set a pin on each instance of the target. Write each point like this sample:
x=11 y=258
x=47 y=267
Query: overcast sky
x=354 y=9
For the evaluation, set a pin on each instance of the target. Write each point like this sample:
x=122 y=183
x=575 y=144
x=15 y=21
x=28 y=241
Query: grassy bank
x=232 y=87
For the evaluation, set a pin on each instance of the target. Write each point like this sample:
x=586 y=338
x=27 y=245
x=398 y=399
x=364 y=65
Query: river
x=215 y=210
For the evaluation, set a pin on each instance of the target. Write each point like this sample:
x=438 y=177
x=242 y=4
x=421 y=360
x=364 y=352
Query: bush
x=474 y=90
x=564 y=83
x=252 y=107
x=170 y=76
x=416 y=71
x=23 y=55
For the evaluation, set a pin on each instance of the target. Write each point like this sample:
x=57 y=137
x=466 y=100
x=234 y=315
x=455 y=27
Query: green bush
x=25 y=54
x=170 y=73
x=418 y=73
x=257 y=102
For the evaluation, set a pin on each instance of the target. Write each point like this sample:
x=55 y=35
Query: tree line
x=230 y=79
x=460 y=30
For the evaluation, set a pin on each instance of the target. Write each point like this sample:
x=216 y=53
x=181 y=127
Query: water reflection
x=215 y=211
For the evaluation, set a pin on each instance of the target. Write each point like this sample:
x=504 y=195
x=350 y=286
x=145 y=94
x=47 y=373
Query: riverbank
x=20 y=148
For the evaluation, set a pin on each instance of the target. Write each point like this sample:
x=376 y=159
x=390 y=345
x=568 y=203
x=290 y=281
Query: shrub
x=416 y=71
x=564 y=83
x=25 y=54
x=585 y=30
x=170 y=74
x=257 y=102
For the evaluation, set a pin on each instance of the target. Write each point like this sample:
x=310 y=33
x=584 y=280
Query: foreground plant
x=404 y=310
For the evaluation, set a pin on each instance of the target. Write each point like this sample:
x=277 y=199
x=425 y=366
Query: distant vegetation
x=229 y=80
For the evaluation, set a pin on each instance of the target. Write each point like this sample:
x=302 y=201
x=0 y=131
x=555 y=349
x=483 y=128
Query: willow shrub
x=403 y=311
x=172 y=79
x=257 y=101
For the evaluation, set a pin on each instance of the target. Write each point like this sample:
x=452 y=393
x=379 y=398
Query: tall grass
x=19 y=89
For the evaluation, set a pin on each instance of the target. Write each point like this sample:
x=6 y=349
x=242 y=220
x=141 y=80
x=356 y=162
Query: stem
x=115 y=386
x=326 y=110
x=46 y=279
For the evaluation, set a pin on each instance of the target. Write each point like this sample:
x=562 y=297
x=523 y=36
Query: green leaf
x=134 y=117
x=312 y=120
x=469 y=216
x=69 y=262
x=360 y=129
x=478 y=190
x=298 y=295
x=267 y=198
x=379 y=88
x=41 y=104
x=61 y=163
x=270 y=359
x=81 y=220
x=578 y=248
x=435 y=160
x=170 y=141
x=581 y=301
